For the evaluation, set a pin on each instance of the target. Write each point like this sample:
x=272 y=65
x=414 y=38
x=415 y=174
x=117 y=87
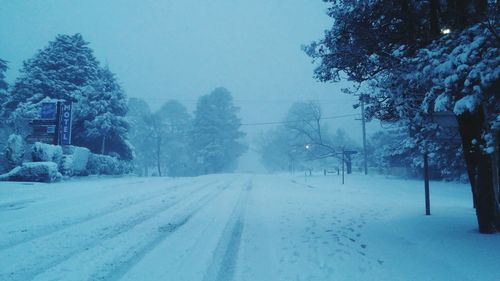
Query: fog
x=162 y=50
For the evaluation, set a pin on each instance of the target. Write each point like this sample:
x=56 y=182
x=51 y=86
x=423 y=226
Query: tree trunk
x=481 y=8
x=479 y=167
x=103 y=144
x=462 y=14
x=434 y=18
x=408 y=21
x=158 y=153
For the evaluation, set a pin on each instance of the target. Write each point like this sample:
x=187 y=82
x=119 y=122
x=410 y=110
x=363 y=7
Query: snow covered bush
x=74 y=162
x=107 y=165
x=44 y=152
x=14 y=151
x=34 y=171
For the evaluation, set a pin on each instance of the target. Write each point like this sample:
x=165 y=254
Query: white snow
x=75 y=160
x=242 y=227
x=441 y=103
x=43 y=152
x=468 y=103
x=34 y=171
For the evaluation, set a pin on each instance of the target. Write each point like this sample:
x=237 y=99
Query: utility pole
x=343 y=160
x=363 y=124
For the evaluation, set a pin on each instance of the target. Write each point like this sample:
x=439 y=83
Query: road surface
x=234 y=227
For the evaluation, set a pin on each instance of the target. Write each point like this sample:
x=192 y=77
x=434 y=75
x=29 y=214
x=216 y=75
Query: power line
x=322 y=101
x=288 y=122
x=256 y=123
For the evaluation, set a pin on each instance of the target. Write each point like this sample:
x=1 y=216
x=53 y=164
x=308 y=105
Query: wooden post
x=426 y=184
x=363 y=123
x=58 y=122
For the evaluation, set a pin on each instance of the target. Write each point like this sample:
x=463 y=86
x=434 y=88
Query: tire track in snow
x=120 y=267
x=82 y=193
x=24 y=235
x=223 y=266
x=58 y=252
x=45 y=206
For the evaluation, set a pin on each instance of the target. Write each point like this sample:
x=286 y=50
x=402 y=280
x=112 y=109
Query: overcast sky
x=182 y=49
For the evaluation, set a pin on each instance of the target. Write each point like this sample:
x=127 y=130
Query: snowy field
x=242 y=227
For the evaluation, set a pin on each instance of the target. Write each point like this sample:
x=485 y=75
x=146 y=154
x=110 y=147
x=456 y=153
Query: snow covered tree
x=281 y=151
x=304 y=122
x=394 y=148
x=67 y=70
x=303 y=141
x=100 y=123
x=214 y=138
x=158 y=131
x=161 y=138
x=177 y=124
x=4 y=132
x=3 y=84
x=403 y=51
x=140 y=134
x=59 y=71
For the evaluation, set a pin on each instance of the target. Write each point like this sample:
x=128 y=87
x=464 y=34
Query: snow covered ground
x=242 y=227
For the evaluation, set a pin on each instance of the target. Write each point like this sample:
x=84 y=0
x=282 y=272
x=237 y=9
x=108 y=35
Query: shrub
x=107 y=165
x=34 y=172
x=74 y=162
x=14 y=151
x=43 y=152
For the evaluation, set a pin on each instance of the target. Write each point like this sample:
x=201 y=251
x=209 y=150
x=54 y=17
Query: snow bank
x=34 y=171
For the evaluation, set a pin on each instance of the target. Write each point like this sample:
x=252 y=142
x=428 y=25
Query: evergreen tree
x=414 y=70
x=67 y=70
x=215 y=133
x=3 y=84
x=177 y=124
x=100 y=122
x=59 y=71
x=4 y=132
x=140 y=134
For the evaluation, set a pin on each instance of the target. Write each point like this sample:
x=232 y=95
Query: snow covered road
x=241 y=227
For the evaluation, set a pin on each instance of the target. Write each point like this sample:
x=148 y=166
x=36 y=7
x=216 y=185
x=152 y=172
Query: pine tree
x=141 y=135
x=100 y=122
x=216 y=132
x=4 y=132
x=3 y=84
x=414 y=70
x=59 y=71
x=67 y=70
x=177 y=124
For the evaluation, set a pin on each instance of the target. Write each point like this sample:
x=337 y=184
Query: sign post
x=54 y=124
x=44 y=128
x=65 y=118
